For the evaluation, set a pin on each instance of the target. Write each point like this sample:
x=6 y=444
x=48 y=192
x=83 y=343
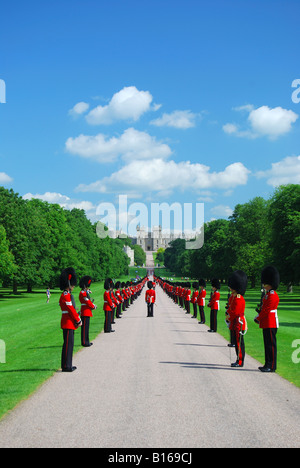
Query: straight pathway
x=160 y=382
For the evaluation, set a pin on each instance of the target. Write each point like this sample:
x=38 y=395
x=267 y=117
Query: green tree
x=7 y=264
x=285 y=225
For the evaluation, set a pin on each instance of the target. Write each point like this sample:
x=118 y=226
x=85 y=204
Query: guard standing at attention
x=70 y=319
x=214 y=305
x=267 y=317
x=236 y=314
x=201 y=300
x=86 y=313
x=195 y=297
x=108 y=306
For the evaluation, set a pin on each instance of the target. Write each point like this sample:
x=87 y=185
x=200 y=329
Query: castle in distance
x=151 y=241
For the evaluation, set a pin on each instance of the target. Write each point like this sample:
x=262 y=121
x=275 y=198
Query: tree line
x=258 y=233
x=39 y=239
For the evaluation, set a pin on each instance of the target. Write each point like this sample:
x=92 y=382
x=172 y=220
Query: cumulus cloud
x=159 y=175
x=62 y=200
x=79 y=108
x=177 y=119
x=127 y=104
x=4 y=178
x=263 y=121
x=283 y=172
x=132 y=144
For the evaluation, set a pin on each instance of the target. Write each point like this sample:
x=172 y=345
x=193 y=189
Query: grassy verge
x=30 y=331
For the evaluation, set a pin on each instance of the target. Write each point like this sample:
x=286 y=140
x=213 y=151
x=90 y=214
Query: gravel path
x=157 y=382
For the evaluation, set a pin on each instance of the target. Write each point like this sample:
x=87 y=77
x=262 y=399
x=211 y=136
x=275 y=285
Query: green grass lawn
x=31 y=331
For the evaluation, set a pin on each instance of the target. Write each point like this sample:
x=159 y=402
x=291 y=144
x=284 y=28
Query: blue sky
x=165 y=101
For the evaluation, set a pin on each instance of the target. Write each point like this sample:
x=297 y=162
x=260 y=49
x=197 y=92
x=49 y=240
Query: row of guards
x=185 y=293
x=117 y=298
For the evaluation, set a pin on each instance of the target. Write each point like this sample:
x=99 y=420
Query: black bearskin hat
x=215 y=283
x=238 y=281
x=67 y=278
x=117 y=285
x=270 y=275
x=202 y=282
x=150 y=284
x=85 y=282
x=196 y=285
x=108 y=283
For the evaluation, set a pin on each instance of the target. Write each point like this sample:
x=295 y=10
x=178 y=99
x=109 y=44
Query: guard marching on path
x=70 y=319
x=86 y=313
x=267 y=317
x=150 y=298
x=236 y=314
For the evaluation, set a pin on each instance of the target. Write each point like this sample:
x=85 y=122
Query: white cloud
x=283 y=172
x=161 y=176
x=78 y=109
x=132 y=144
x=263 y=121
x=62 y=200
x=177 y=119
x=222 y=211
x=4 y=178
x=127 y=104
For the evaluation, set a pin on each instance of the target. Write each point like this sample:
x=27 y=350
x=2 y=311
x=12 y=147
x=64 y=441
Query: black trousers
x=107 y=321
x=67 y=350
x=213 y=319
x=150 y=310
x=85 y=331
x=239 y=343
x=202 y=314
x=270 y=343
x=195 y=310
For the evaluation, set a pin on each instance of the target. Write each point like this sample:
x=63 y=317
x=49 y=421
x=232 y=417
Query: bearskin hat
x=270 y=275
x=202 y=282
x=238 y=281
x=67 y=278
x=196 y=285
x=85 y=282
x=108 y=283
x=118 y=284
x=150 y=284
x=215 y=283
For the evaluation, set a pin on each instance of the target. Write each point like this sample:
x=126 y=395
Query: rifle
x=259 y=306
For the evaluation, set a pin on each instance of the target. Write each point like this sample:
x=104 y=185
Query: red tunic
x=267 y=317
x=201 y=298
x=194 y=297
x=86 y=305
x=150 y=296
x=108 y=303
x=236 y=312
x=69 y=318
x=214 y=302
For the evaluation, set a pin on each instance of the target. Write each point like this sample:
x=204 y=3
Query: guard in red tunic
x=86 y=313
x=214 y=305
x=150 y=298
x=201 y=300
x=236 y=314
x=267 y=317
x=70 y=319
x=187 y=298
x=195 y=298
x=108 y=306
